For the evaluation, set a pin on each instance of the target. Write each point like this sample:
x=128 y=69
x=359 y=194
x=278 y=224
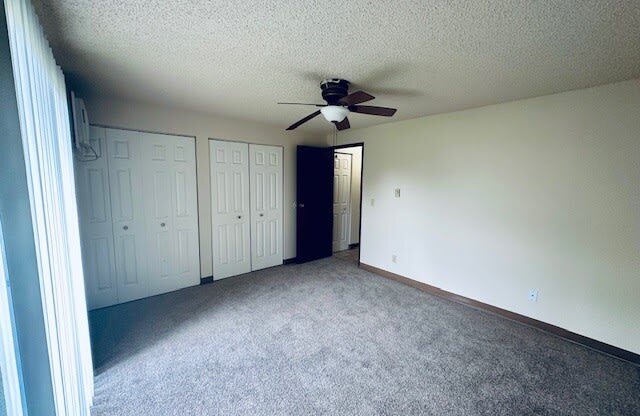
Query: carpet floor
x=327 y=338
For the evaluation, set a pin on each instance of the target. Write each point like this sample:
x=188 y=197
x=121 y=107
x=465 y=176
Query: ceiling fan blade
x=373 y=110
x=343 y=125
x=356 y=98
x=317 y=105
x=304 y=120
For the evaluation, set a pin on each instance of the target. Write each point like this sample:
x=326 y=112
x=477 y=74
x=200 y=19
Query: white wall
x=356 y=171
x=203 y=126
x=540 y=193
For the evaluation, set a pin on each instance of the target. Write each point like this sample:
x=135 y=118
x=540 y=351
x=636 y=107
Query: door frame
x=344 y=146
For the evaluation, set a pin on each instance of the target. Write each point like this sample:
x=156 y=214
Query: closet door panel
x=96 y=231
x=230 y=208
x=266 y=206
x=156 y=191
x=184 y=205
x=170 y=212
x=124 y=152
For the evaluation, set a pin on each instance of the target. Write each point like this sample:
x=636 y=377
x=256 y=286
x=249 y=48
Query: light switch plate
x=397 y=193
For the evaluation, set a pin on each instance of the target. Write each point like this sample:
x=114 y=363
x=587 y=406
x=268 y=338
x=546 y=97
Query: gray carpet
x=326 y=338
x=351 y=254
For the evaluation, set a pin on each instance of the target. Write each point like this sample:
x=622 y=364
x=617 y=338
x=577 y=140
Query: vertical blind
x=46 y=138
x=11 y=400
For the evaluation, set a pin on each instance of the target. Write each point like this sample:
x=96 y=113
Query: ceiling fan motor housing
x=334 y=89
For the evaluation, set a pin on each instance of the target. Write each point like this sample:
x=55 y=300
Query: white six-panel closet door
x=169 y=195
x=138 y=215
x=230 y=208
x=126 y=169
x=265 y=169
x=96 y=228
x=185 y=202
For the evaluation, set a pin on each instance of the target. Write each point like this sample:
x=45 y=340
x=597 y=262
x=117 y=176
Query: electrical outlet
x=533 y=295
x=397 y=193
x=394 y=258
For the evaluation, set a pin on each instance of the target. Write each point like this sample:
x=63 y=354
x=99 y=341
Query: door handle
x=162 y=224
x=262 y=215
x=239 y=216
x=126 y=227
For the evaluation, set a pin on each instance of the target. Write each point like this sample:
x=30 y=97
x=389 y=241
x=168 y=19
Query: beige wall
x=121 y=114
x=541 y=193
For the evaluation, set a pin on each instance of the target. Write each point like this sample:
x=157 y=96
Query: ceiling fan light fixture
x=334 y=113
x=340 y=103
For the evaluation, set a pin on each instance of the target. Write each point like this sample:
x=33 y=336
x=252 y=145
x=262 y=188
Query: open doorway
x=347 y=201
x=329 y=202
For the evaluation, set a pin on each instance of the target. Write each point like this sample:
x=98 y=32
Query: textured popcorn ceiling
x=238 y=58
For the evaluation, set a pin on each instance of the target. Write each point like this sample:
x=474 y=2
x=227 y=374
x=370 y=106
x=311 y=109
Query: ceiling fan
x=340 y=103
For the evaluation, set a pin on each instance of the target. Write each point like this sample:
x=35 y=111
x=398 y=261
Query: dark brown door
x=315 y=203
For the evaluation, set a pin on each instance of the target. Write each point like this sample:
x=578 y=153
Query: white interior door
x=124 y=149
x=341 y=200
x=184 y=200
x=170 y=211
x=96 y=227
x=229 y=208
x=265 y=170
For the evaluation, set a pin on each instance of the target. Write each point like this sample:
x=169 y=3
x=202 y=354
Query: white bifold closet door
x=171 y=215
x=230 y=208
x=246 y=207
x=126 y=169
x=265 y=171
x=138 y=215
x=96 y=226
